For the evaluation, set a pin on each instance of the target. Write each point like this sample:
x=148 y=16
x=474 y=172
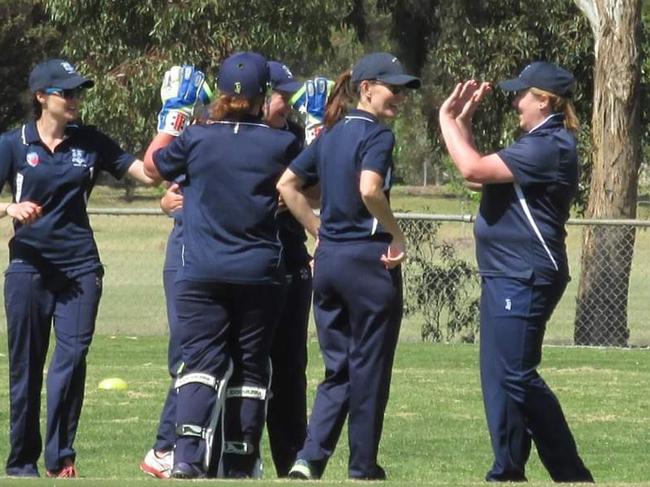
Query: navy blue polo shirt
x=230 y=233
x=357 y=142
x=61 y=182
x=520 y=227
x=174 y=250
x=292 y=233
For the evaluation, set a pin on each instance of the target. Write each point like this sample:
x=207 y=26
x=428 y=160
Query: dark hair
x=339 y=101
x=232 y=107
x=36 y=108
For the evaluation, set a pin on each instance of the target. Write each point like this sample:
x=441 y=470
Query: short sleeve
x=171 y=161
x=114 y=159
x=377 y=152
x=532 y=160
x=305 y=166
x=6 y=160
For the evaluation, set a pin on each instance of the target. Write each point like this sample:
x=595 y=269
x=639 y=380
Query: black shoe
x=184 y=470
x=378 y=474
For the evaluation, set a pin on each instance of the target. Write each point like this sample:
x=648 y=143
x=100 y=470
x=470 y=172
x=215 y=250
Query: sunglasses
x=72 y=93
x=394 y=89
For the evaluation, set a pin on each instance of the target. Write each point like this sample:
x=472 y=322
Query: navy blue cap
x=57 y=73
x=282 y=79
x=384 y=67
x=542 y=75
x=244 y=74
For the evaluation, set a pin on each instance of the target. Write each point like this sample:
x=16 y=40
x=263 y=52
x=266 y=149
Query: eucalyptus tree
x=601 y=315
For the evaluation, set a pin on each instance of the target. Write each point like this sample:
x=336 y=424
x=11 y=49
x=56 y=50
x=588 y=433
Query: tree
x=126 y=47
x=25 y=39
x=601 y=314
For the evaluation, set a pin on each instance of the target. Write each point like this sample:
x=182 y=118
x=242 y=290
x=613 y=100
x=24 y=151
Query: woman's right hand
x=395 y=254
x=172 y=200
x=25 y=212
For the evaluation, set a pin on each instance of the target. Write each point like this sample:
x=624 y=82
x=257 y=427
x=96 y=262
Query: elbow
x=369 y=192
x=150 y=171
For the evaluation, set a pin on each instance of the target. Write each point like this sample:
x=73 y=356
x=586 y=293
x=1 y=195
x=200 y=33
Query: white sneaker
x=158 y=465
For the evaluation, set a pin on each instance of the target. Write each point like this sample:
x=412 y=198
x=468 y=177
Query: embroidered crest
x=32 y=159
x=79 y=158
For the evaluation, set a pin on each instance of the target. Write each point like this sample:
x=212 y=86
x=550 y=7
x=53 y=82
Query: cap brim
x=401 y=80
x=289 y=86
x=76 y=82
x=515 y=84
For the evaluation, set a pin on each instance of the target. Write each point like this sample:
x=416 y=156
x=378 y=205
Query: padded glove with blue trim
x=310 y=101
x=184 y=92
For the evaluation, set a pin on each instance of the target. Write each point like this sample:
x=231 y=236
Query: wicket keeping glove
x=183 y=91
x=310 y=101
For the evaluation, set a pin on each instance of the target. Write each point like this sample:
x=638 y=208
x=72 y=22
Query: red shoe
x=68 y=471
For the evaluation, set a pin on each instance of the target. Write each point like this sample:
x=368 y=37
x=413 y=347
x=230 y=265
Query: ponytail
x=561 y=105
x=339 y=100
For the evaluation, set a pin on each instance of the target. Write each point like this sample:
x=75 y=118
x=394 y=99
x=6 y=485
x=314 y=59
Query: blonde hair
x=339 y=101
x=561 y=105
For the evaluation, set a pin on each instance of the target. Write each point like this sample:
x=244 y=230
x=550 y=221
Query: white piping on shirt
x=356 y=117
x=543 y=122
x=19 y=186
x=237 y=124
x=22 y=135
x=526 y=208
x=531 y=220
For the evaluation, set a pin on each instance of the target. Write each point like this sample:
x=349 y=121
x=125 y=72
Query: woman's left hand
x=473 y=95
x=395 y=254
x=464 y=99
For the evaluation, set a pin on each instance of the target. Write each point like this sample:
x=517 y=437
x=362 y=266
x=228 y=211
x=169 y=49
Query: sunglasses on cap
x=71 y=93
x=394 y=89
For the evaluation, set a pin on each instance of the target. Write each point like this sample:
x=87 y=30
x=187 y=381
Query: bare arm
x=457 y=134
x=290 y=188
x=136 y=171
x=159 y=141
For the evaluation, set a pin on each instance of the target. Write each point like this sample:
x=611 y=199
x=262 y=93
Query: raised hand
x=473 y=97
x=310 y=101
x=183 y=91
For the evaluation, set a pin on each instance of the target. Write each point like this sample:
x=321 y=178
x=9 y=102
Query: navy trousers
x=32 y=305
x=220 y=322
x=519 y=406
x=358 y=312
x=287 y=411
x=166 y=435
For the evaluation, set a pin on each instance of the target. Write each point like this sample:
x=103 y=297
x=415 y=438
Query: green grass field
x=435 y=431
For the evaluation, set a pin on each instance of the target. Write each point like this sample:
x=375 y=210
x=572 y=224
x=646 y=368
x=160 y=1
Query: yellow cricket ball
x=113 y=384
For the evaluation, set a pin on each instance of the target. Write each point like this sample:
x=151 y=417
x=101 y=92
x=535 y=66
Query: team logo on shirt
x=32 y=159
x=78 y=158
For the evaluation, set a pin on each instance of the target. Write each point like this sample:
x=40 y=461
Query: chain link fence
x=607 y=302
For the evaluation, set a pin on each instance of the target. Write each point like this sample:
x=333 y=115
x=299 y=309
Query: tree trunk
x=601 y=308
